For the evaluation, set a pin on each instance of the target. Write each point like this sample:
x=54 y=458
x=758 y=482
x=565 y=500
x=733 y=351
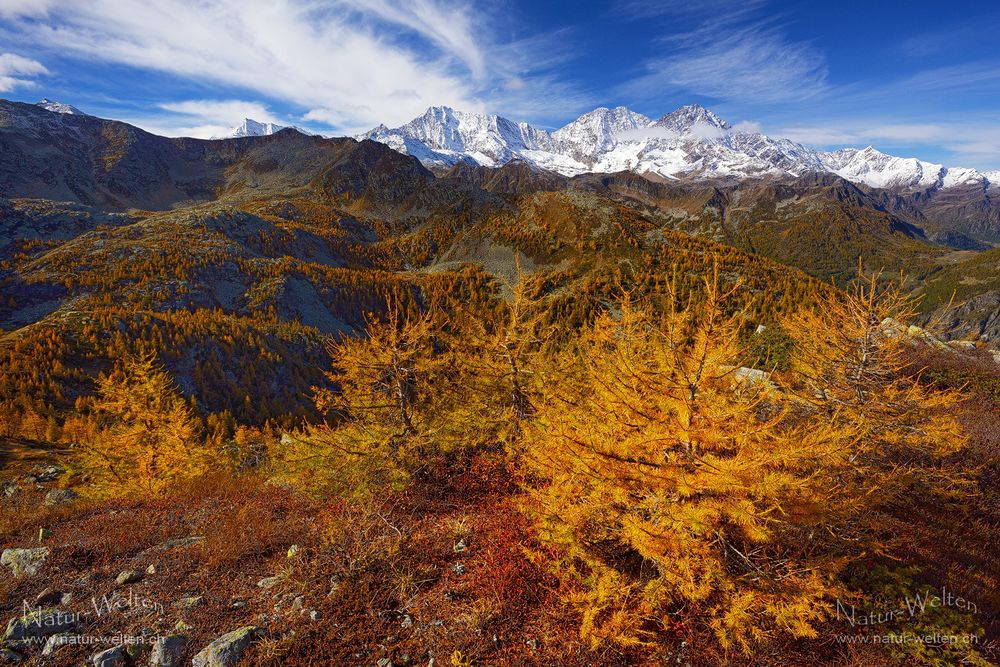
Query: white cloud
x=346 y=60
x=817 y=136
x=749 y=126
x=14 y=69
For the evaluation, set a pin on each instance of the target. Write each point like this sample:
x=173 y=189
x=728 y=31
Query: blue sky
x=912 y=78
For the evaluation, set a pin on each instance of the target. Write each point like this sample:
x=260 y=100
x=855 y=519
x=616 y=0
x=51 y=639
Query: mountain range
x=690 y=142
x=65 y=175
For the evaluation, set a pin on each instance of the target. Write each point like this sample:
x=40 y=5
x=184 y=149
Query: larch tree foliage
x=147 y=436
x=676 y=488
x=393 y=411
x=417 y=388
x=499 y=358
x=851 y=366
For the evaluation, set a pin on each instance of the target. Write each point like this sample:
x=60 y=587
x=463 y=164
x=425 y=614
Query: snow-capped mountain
x=690 y=142
x=59 y=107
x=251 y=128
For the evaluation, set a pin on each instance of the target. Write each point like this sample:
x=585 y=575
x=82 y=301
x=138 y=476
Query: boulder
x=39 y=623
x=113 y=657
x=24 y=562
x=168 y=651
x=60 y=497
x=228 y=649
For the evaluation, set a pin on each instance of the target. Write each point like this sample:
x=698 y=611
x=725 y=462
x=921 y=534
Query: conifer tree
x=148 y=437
x=676 y=486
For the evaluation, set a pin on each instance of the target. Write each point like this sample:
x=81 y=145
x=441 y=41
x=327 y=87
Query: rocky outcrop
x=24 y=562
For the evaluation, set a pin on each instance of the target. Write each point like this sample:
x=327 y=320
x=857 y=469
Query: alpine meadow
x=380 y=378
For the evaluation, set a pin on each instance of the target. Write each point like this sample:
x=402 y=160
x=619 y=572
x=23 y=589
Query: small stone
x=65 y=598
x=460 y=546
x=315 y=615
x=407 y=621
x=151 y=569
x=128 y=577
x=384 y=662
x=10 y=488
x=271 y=582
x=458 y=568
x=46 y=597
x=227 y=650
x=298 y=602
x=24 y=562
x=190 y=602
x=293 y=551
x=113 y=657
x=55 y=642
x=168 y=651
x=60 y=497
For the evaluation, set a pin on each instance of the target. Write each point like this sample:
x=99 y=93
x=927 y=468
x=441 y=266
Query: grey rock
x=60 y=497
x=10 y=657
x=55 y=642
x=128 y=577
x=41 y=474
x=228 y=649
x=458 y=568
x=24 y=562
x=190 y=602
x=315 y=615
x=39 y=623
x=174 y=543
x=9 y=488
x=271 y=582
x=46 y=597
x=168 y=651
x=113 y=657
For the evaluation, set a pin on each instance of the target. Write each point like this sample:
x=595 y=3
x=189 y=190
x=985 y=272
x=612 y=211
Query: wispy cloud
x=736 y=63
x=17 y=71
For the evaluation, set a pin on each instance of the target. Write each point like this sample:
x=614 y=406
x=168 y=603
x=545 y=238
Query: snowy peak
x=694 y=120
x=59 y=107
x=252 y=128
x=598 y=131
